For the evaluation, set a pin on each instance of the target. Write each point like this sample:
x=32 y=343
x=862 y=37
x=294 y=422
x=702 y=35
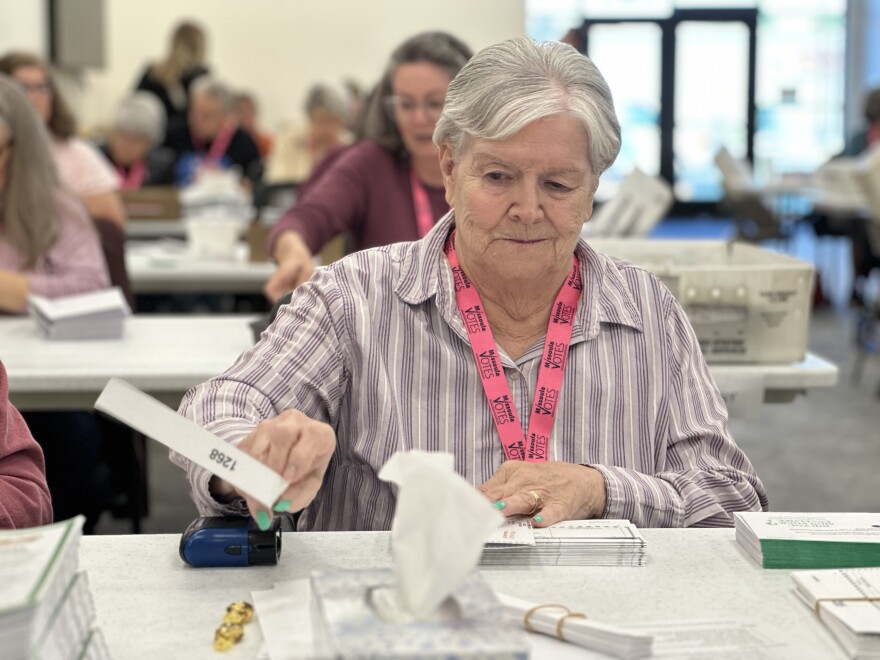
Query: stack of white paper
x=96 y=315
x=848 y=602
x=569 y=543
x=46 y=608
x=581 y=631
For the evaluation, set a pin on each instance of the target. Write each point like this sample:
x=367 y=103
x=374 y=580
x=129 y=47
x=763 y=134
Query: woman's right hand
x=295 y=446
x=295 y=265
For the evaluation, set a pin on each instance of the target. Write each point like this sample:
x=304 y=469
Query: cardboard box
x=746 y=304
x=152 y=203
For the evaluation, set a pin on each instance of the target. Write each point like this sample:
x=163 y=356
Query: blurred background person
x=48 y=244
x=210 y=138
x=868 y=136
x=356 y=99
x=398 y=158
x=24 y=495
x=301 y=147
x=246 y=112
x=170 y=78
x=80 y=165
x=133 y=146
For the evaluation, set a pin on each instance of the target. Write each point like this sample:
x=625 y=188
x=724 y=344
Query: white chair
x=640 y=203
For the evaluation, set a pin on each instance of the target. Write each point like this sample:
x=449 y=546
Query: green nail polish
x=500 y=505
x=282 y=506
x=538 y=519
x=263 y=520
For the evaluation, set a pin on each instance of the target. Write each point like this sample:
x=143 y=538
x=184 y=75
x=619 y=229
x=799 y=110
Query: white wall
x=275 y=48
x=23 y=25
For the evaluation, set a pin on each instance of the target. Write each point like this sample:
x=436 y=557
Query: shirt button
x=514 y=375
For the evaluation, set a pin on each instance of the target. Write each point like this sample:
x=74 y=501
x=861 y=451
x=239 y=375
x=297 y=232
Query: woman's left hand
x=565 y=491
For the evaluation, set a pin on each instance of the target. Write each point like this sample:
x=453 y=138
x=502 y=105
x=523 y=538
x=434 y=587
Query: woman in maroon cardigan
x=24 y=495
x=387 y=188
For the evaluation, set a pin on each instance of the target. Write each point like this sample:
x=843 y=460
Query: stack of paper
x=569 y=543
x=46 y=608
x=578 y=630
x=848 y=602
x=96 y=315
x=810 y=540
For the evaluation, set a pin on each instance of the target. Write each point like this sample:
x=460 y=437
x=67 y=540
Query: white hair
x=141 y=114
x=213 y=88
x=505 y=87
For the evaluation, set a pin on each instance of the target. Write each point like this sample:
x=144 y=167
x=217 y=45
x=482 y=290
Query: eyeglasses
x=407 y=107
x=37 y=88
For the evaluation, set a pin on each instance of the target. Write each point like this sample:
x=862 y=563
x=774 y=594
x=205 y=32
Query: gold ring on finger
x=538 y=503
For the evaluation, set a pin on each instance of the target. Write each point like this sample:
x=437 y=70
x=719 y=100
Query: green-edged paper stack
x=810 y=540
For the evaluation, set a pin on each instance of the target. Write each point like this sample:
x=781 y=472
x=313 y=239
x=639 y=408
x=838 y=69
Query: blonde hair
x=186 y=53
x=28 y=209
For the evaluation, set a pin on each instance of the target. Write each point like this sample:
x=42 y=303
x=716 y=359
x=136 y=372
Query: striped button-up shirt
x=375 y=347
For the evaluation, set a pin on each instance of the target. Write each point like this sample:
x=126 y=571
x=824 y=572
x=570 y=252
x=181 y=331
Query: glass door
x=683 y=86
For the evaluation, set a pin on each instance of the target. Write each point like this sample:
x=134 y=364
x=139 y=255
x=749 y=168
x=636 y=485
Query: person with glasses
x=81 y=166
x=388 y=187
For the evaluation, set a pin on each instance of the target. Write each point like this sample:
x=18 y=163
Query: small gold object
x=538 y=503
x=243 y=609
x=230 y=632
x=223 y=643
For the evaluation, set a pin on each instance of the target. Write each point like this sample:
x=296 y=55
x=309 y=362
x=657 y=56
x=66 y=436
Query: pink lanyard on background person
x=218 y=146
x=534 y=446
x=134 y=179
x=424 y=214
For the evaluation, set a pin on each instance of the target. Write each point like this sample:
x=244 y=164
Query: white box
x=745 y=303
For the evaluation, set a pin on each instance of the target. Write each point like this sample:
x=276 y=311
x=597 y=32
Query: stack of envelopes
x=569 y=543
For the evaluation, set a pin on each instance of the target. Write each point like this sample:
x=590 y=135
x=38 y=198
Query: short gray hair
x=323 y=96
x=141 y=114
x=214 y=89
x=505 y=87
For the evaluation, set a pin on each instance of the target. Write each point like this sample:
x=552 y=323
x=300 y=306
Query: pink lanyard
x=218 y=145
x=135 y=177
x=550 y=372
x=424 y=214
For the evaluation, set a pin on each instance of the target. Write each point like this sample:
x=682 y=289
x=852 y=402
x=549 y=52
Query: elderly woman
x=210 y=138
x=301 y=147
x=567 y=384
x=132 y=148
x=80 y=165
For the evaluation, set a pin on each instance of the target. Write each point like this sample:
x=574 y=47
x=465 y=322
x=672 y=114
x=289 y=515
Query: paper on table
x=142 y=412
x=85 y=304
x=582 y=632
x=276 y=608
x=435 y=541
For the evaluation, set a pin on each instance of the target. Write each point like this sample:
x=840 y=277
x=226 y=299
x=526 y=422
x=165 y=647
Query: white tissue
x=440 y=526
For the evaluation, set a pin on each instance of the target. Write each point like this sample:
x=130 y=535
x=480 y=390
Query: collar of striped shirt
x=425 y=272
